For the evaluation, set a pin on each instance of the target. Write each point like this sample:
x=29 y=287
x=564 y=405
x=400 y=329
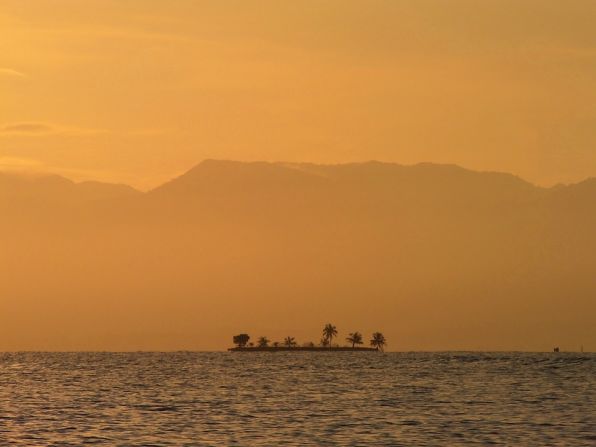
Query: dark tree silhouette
x=378 y=341
x=355 y=338
x=241 y=340
x=290 y=342
x=263 y=342
x=329 y=331
x=275 y=344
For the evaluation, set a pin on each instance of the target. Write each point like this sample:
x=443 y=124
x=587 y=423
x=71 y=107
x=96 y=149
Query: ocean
x=297 y=399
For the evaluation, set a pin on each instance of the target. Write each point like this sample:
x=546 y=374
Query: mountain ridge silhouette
x=209 y=168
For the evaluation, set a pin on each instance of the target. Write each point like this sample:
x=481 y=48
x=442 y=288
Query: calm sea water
x=297 y=399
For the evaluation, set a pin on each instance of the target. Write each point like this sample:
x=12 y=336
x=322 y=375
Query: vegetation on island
x=329 y=331
x=377 y=341
x=290 y=342
x=241 y=340
x=355 y=338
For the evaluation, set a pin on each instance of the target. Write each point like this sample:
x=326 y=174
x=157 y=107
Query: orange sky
x=140 y=91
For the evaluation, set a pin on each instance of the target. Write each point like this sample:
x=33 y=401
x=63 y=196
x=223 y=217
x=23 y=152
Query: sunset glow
x=140 y=91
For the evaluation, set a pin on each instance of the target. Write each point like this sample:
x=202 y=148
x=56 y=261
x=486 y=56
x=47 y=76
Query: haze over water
x=297 y=399
x=176 y=175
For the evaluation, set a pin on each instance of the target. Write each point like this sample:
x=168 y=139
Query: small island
x=377 y=343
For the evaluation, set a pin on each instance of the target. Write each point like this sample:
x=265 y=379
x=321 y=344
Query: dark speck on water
x=297 y=399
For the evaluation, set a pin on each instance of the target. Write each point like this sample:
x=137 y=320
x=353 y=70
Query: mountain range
x=435 y=256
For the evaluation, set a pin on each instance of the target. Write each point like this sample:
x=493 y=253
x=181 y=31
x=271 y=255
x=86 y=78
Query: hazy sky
x=138 y=91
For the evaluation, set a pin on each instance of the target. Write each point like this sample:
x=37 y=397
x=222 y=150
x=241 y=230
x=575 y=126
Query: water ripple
x=264 y=399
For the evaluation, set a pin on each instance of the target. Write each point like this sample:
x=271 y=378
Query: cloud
x=43 y=129
x=26 y=128
x=9 y=72
x=38 y=128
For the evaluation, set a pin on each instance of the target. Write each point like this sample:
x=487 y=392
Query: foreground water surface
x=297 y=399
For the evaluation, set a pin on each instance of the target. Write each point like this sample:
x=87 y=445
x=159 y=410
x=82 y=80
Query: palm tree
x=290 y=342
x=378 y=341
x=263 y=342
x=329 y=331
x=275 y=344
x=355 y=338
